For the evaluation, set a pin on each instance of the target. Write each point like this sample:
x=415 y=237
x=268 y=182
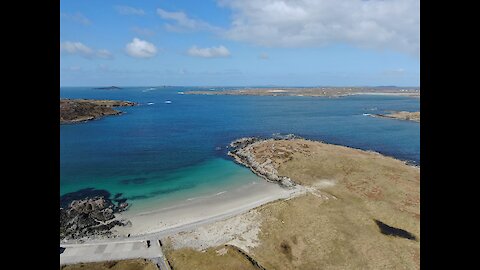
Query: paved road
x=118 y=250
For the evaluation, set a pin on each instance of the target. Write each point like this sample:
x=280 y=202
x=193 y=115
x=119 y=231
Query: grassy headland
x=335 y=224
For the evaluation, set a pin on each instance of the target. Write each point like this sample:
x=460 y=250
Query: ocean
x=160 y=153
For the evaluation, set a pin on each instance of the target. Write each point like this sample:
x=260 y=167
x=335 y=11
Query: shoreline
x=198 y=211
x=203 y=210
x=261 y=218
x=193 y=213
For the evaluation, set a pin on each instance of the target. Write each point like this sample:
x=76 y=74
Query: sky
x=240 y=43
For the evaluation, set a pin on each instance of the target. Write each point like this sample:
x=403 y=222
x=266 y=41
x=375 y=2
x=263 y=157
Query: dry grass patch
x=221 y=257
x=133 y=264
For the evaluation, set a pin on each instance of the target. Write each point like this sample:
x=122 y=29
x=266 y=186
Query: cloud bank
x=380 y=24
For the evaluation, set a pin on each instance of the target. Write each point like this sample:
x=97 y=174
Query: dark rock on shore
x=92 y=215
x=81 y=194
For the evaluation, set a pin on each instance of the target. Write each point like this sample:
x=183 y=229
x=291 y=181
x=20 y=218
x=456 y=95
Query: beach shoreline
x=204 y=209
x=192 y=213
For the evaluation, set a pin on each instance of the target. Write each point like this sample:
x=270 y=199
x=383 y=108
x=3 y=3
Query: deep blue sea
x=158 y=152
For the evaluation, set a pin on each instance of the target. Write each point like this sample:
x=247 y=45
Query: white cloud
x=126 y=10
x=141 y=49
x=77 y=17
x=182 y=22
x=211 y=52
x=83 y=50
x=393 y=24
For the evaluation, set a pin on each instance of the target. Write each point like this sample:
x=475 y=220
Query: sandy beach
x=199 y=211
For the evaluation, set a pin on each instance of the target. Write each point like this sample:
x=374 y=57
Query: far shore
x=80 y=110
x=401 y=115
x=313 y=91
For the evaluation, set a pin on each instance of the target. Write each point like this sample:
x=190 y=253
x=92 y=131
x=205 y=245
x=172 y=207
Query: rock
x=122 y=206
x=242 y=153
x=88 y=217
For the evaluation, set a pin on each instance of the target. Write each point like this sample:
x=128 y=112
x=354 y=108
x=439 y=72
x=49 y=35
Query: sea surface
x=160 y=153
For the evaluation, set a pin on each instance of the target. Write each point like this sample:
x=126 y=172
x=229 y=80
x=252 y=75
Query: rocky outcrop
x=402 y=115
x=89 y=216
x=79 y=110
x=241 y=151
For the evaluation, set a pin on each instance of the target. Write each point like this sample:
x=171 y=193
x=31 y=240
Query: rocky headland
x=79 y=110
x=402 y=115
x=242 y=150
x=90 y=216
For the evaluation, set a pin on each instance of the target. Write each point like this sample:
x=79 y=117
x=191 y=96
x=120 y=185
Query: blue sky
x=239 y=43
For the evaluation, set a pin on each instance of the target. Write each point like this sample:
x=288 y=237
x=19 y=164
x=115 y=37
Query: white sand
x=204 y=210
x=241 y=231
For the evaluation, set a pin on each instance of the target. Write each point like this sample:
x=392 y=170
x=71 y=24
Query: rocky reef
x=79 y=110
x=242 y=152
x=92 y=215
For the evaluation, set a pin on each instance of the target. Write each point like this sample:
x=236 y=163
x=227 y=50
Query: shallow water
x=158 y=152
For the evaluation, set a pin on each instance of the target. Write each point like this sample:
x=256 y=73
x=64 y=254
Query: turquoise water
x=158 y=153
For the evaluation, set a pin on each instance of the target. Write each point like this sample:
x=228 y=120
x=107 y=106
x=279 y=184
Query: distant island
x=79 y=110
x=402 y=115
x=108 y=88
x=314 y=91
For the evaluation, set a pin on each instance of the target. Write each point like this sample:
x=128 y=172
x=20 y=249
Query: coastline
x=203 y=210
x=269 y=222
x=192 y=213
